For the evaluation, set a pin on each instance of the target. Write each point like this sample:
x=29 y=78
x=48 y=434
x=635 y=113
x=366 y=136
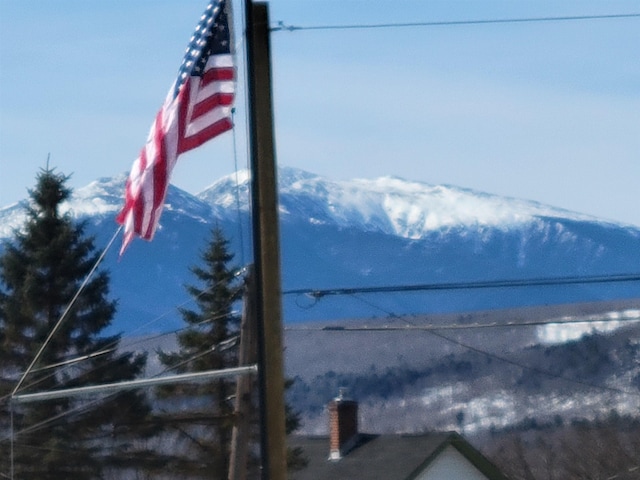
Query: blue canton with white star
x=211 y=37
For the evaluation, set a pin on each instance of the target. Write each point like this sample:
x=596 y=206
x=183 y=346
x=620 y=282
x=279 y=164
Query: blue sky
x=546 y=111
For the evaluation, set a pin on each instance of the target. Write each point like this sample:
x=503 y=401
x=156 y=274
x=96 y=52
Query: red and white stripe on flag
x=201 y=110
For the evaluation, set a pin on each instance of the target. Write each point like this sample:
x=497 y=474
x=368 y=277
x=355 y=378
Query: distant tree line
x=608 y=448
x=570 y=366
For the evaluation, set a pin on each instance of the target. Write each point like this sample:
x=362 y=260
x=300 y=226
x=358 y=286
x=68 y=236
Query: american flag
x=197 y=108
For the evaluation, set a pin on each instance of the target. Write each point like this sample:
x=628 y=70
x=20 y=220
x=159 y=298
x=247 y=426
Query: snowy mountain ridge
x=389 y=205
x=360 y=233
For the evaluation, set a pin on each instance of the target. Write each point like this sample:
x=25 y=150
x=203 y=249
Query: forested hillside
x=468 y=373
x=539 y=407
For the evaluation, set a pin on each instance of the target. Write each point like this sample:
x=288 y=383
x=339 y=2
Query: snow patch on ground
x=573 y=328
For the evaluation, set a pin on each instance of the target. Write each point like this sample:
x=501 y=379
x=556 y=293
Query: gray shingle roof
x=389 y=457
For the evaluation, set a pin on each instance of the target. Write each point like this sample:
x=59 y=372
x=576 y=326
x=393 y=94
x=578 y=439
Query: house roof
x=392 y=457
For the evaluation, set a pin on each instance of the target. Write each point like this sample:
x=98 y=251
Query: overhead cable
x=461 y=326
x=529 y=282
x=281 y=26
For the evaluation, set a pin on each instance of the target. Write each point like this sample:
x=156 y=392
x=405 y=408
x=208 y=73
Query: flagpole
x=266 y=245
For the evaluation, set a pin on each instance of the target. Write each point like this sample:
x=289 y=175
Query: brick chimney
x=343 y=426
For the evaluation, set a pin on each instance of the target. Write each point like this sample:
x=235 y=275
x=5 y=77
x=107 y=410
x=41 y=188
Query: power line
x=134 y=384
x=468 y=326
x=55 y=370
x=281 y=26
x=82 y=408
x=530 y=282
x=57 y=325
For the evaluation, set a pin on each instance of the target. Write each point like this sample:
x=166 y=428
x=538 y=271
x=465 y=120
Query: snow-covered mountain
x=361 y=233
x=387 y=205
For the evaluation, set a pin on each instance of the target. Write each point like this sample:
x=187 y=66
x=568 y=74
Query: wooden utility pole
x=243 y=404
x=266 y=244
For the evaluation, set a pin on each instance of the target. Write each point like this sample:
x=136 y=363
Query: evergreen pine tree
x=201 y=446
x=40 y=272
x=200 y=436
